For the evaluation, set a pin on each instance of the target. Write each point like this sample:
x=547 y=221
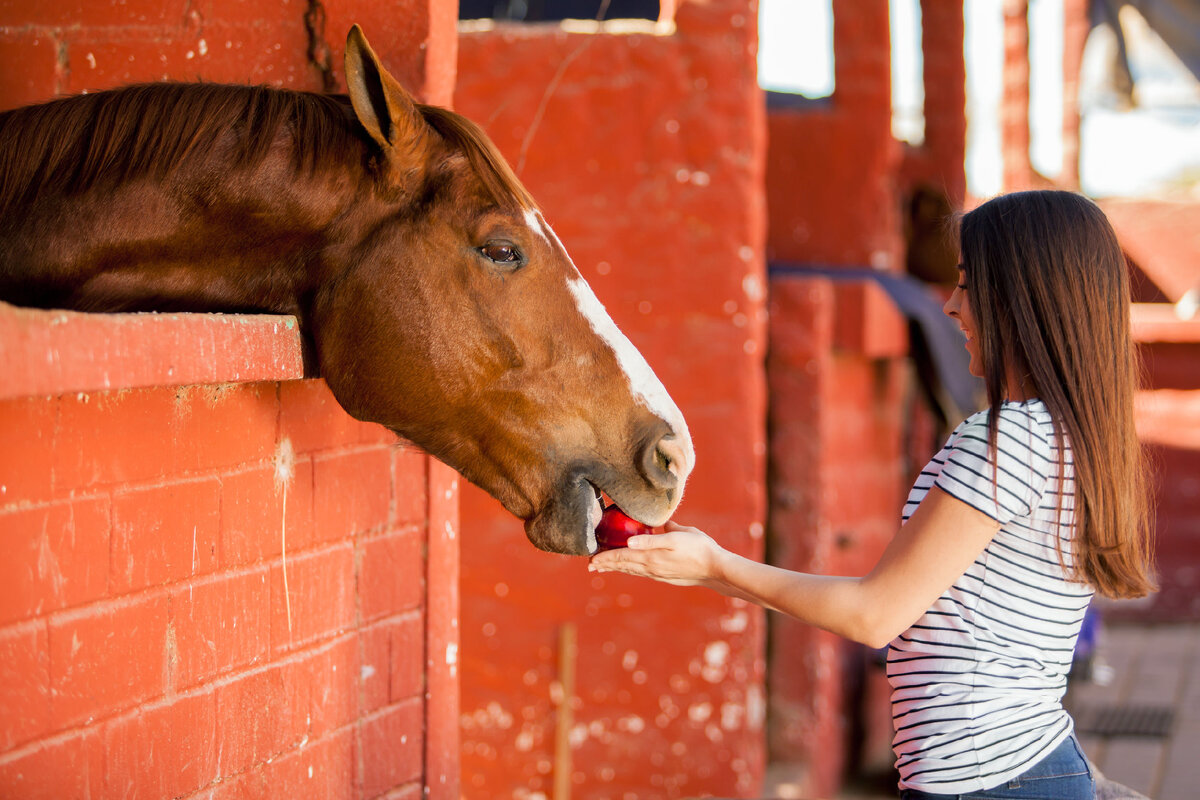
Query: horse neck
x=247 y=241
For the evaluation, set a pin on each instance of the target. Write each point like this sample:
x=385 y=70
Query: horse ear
x=387 y=112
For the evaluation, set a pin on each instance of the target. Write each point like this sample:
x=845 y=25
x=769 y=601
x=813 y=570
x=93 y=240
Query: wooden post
x=567 y=652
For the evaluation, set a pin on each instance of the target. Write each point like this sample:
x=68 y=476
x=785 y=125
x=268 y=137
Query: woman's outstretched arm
x=929 y=553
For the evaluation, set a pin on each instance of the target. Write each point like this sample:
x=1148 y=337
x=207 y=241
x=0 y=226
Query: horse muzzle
x=649 y=492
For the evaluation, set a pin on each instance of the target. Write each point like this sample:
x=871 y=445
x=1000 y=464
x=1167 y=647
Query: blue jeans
x=1064 y=774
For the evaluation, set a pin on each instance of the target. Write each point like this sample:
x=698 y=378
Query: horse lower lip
x=597 y=505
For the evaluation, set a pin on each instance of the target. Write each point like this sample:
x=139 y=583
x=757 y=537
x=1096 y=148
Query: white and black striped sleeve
x=1008 y=483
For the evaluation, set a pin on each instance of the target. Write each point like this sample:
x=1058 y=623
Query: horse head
x=457 y=319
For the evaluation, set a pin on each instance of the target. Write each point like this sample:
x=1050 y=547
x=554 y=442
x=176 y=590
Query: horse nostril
x=666 y=463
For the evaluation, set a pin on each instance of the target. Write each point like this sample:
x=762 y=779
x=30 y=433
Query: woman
x=1029 y=508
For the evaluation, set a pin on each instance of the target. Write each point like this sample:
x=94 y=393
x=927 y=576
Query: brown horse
x=434 y=297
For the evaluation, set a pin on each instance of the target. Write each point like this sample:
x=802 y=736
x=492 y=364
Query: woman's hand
x=682 y=556
x=936 y=546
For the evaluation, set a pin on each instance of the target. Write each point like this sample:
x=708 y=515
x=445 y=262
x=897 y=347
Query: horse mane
x=72 y=144
x=497 y=176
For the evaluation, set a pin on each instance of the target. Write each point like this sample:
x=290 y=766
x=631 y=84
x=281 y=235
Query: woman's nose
x=950 y=309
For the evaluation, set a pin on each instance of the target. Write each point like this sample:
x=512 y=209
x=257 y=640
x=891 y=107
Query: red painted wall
x=848 y=427
x=1162 y=238
x=213 y=590
x=217 y=584
x=646 y=152
x=1167 y=418
x=837 y=180
x=843 y=417
x=831 y=169
x=48 y=49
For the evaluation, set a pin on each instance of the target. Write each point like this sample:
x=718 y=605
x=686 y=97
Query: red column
x=441 y=635
x=1014 y=110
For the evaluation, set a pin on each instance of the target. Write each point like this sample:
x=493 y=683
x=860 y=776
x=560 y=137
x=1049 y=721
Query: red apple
x=615 y=528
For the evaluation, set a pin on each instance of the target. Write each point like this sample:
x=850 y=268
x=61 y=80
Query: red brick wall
x=831 y=170
x=1014 y=104
x=842 y=411
x=54 y=48
x=167 y=628
x=646 y=152
x=846 y=424
x=837 y=180
x=939 y=161
x=213 y=590
x=1167 y=414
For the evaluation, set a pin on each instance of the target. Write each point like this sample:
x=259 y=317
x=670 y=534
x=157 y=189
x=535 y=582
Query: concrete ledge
x=54 y=352
x=1158 y=322
x=1168 y=417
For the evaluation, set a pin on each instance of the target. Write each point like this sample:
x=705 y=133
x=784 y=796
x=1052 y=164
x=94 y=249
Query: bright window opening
x=1046 y=87
x=795 y=47
x=1140 y=120
x=908 y=65
x=984 y=21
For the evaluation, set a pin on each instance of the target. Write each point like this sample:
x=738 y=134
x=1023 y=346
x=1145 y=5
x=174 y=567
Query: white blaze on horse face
x=534 y=220
x=643 y=383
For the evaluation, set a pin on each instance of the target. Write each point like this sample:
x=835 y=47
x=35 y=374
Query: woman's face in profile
x=958 y=308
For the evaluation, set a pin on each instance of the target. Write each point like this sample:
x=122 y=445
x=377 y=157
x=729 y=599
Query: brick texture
x=390 y=744
x=148 y=636
x=842 y=415
x=27 y=427
x=57 y=556
x=71 y=765
x=264 y=515
x=231 y=608
x=24 y=683
x=163 y=534
x=164 y=749
x=214 y=581
x=647 y=154
x=322 y=770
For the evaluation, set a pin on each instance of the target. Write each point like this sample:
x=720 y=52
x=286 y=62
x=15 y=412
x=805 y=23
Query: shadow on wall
x=936 y=340
x=554 y=10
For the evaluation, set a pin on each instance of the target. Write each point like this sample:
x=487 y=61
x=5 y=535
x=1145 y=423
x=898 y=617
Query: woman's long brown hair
x=1049 y=289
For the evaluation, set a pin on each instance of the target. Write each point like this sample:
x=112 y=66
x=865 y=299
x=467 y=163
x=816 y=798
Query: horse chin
x=567 y=525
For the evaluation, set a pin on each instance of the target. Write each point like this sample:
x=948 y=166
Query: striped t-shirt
x=977 y=682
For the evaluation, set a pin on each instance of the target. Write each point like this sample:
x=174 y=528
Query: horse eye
x=505 y=254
